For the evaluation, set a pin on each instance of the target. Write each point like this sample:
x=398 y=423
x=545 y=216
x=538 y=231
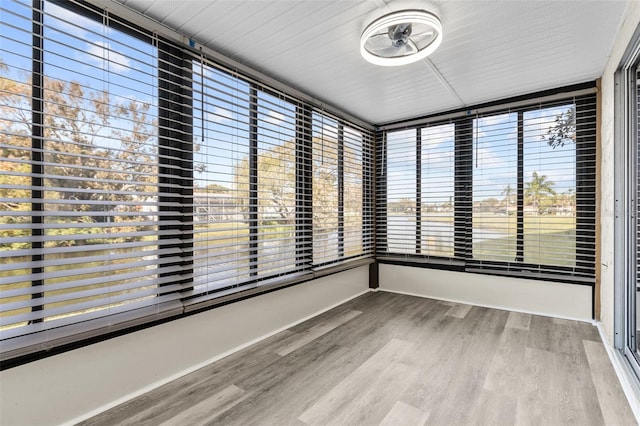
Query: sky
x=495 y=155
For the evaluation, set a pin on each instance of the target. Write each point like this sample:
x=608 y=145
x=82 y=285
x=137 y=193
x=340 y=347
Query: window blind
x=139 y=179
x=277 y=250
x=401 y=192
x=437 y=194
x=342 y=214
x=356 y=232
x=80 y=155
x=506 y=190
x=326 y=197
x=222 y=248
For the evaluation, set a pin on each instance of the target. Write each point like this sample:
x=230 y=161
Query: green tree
x=100 y=154
x=564 y=129
x=108 y=144
x=277 y=185
x=325 y=185
x=539 y=192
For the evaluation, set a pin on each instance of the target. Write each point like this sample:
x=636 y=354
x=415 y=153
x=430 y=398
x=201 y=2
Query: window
x=276 y=183
x=420 y=167
x=626 y=147
x=83 y=139
x=526 y=169
x=341 y=215
x=222 y=250
x=139 y=180
x=15 y=170
x=549 y=174
x=437 y=194
x=495 y=184
x=401 y=194
x=326 y=199
x=355 y=209
x=500 y=191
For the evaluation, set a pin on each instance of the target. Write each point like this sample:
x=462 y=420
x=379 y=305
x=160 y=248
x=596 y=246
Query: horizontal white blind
x=326 y=197
x=221 y=178
x=276 y=186
x=437 y=194
x=80 y=178
x=356 y=236
x=342 y=216
x=400 y=177
x=506 y=192
x=495 y=187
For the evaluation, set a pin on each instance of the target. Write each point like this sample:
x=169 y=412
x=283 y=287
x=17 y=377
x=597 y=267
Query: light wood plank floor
x=390 y=359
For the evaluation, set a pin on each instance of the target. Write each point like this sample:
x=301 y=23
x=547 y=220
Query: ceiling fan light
x=381 y=26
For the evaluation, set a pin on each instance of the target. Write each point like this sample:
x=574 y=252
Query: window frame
x=342 y=160
x=627 y=206
x=176 y=168
x=463 y=261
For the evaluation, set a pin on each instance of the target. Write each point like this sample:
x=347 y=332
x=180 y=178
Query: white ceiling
x=491 y=49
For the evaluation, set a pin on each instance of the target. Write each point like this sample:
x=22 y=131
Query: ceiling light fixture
x=401 y=37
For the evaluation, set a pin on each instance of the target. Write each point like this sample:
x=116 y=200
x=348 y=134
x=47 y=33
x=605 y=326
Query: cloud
x=437 y=160
x=352 y=134
x=402 y=136
x=219 y=115
x=274 y=117
x=330 y=130
x=500 y=128
x=437 y=135
x=438 y=147
x=485 y=158
x=73 y=23
x=101 y=53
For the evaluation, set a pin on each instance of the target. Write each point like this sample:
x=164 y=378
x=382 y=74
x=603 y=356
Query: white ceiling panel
x=491 y=49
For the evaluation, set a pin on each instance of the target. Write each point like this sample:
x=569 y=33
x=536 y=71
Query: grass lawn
x=535 y=224
x=536 y=248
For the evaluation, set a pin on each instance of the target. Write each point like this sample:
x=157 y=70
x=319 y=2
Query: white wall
x=540 y=297
x=631 y=21
x=69 y=386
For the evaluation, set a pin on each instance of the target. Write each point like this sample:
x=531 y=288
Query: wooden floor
x=389 y=359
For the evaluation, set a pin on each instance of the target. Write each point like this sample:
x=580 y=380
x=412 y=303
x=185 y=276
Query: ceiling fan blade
x=390 y=51
x=395 y=51
x=422 y=40
x=422 y=34
x=378 y=43
x=411 y=47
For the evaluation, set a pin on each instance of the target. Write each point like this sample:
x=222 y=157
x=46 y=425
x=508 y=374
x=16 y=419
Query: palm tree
x=539 y=190
x=508 y=193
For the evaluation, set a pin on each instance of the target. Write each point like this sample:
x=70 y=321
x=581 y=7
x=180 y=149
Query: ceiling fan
x=401 y=37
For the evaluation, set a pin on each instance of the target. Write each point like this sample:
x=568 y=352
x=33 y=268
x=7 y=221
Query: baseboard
x=196 y=367
x=501 y=308
x=552 y=299
x=626 y=377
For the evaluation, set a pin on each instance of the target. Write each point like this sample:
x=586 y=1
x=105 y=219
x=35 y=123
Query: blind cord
x=202 y=92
